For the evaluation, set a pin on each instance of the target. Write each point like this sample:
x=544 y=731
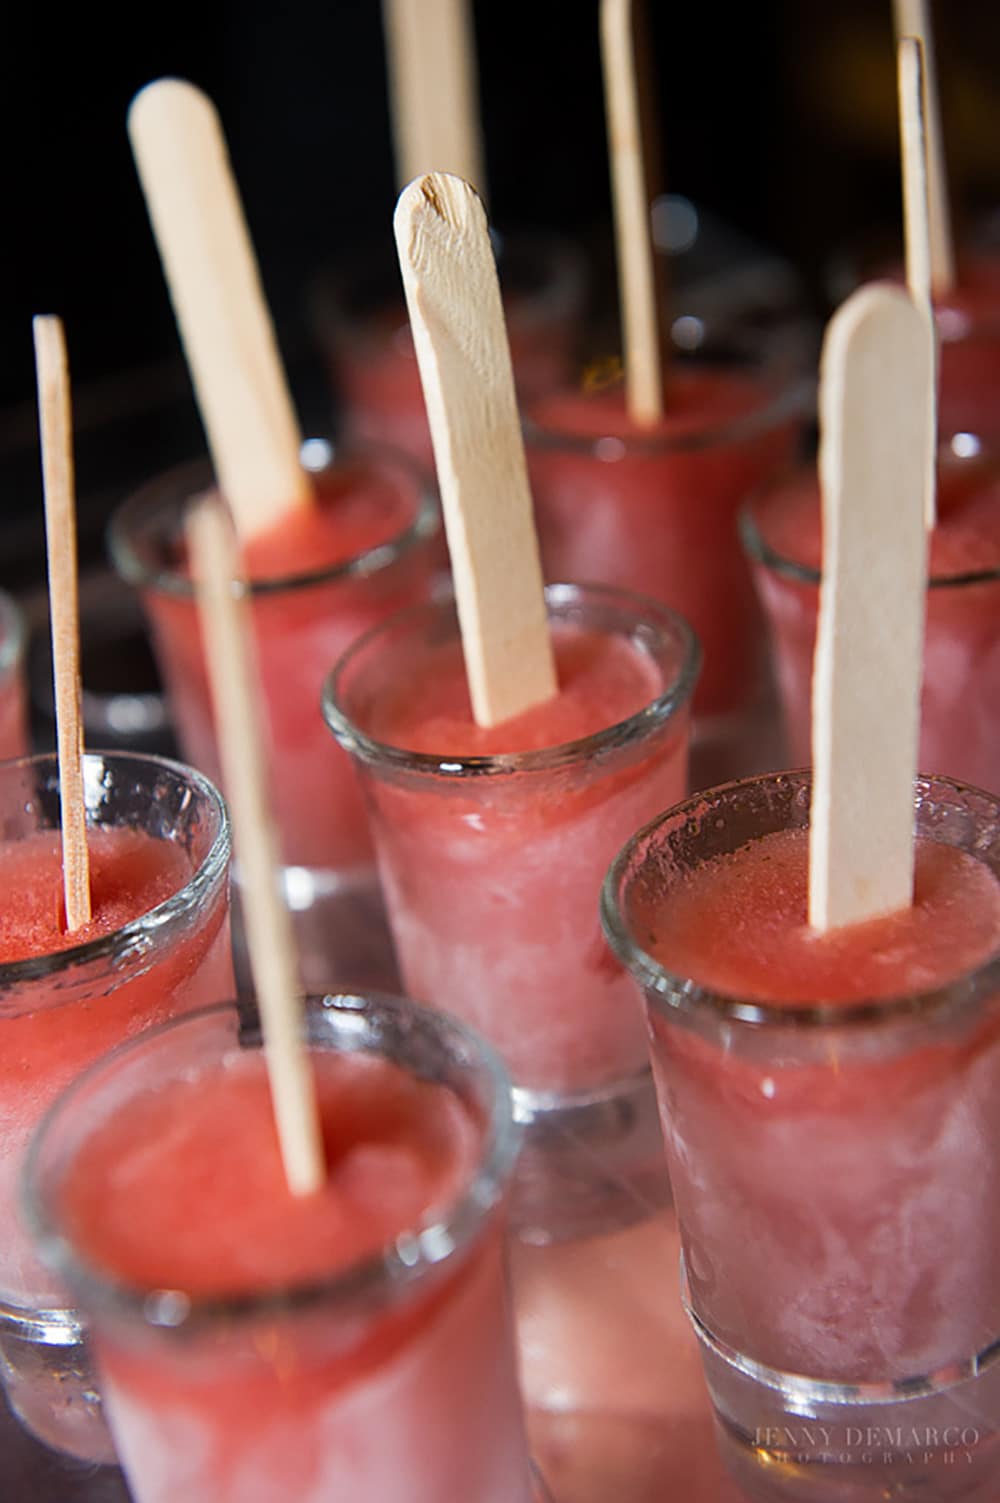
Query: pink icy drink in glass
x=831 y=1112
x=653 y=509
x=362 y=325
x=492 y=842
x=960 y=712
x=318 y=580
x=353 y=1345
x=13 y=706
x=157 y=945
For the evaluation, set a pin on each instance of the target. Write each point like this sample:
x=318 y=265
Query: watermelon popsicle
x=492 y=841
x=830 y=1109
x=960 y=727
x=158 y=945
x=321 y=578
x=639 y=487
x=652 y=507
x=354 y=1343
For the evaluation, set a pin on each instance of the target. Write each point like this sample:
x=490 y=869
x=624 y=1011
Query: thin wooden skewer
x=916 y=218
x=453 y=297
x=876 y=411
x=225 y=326
x=225 y=624
x=433 y=89
x=643 y=351
x=912 y=18
x=60 y=540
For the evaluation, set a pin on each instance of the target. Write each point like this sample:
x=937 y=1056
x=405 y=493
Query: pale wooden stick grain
x=458 y=329
x=225 y=326
x=876 y=406
x=637 y=282
x=226 y=628
x=433 y=89
x=916 y=219
x=912 y=18
x=54 y=413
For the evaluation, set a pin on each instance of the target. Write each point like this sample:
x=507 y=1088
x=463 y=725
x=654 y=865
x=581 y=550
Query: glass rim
x=675 y=993
x=634 y=727
x=13 y=632
x=789 y=398
x=434 y=1241
x=187 y=480
x=209 y=874
x=760 y=551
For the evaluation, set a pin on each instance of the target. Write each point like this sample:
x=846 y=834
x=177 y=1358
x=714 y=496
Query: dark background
x=778 y=115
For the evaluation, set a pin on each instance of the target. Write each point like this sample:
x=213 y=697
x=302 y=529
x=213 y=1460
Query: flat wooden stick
x=643 y=352
x=876 y=410
x=912 y=19
x=225 y=622
x=64 y=612
x=450 y=279
x=916 y=220
x=433 y=89
x=913 y=138
x=224 y=323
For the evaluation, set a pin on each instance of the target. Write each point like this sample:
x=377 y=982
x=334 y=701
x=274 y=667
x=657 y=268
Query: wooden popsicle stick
x=433 y=89
x=453 y=297
x=225 y=622
x=917 y=222
x=60 y=541
x=913 y=139
x=876 y=408
x=912 y=19
x=208 y=259
x=643 y=352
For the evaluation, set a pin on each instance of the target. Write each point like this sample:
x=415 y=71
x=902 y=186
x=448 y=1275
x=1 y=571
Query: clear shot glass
x=491 y=868
x=61 y=1010
x=836 y=1174
x=382 y=1375
x=302 y=624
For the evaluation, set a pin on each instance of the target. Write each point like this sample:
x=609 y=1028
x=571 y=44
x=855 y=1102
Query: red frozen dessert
x=654 y=509
x=157 y=945
x=321 y=1348
x=492 y=843
x=320 y=578
x=831 y=1110
x=54 y=1031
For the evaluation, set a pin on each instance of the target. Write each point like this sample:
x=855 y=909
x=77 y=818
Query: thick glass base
x=788 y=1439
x=47 y=1374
